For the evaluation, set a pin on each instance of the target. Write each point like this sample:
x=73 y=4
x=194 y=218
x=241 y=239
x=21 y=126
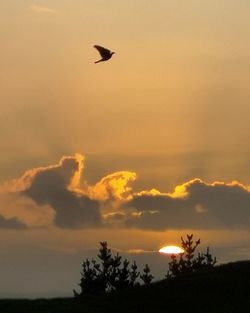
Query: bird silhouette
x=105 y=53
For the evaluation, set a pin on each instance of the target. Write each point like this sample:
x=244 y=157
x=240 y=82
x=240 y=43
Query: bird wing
x=103 y=51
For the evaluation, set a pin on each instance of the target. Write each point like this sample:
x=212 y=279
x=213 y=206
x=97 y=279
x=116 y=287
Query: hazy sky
x=137 y=151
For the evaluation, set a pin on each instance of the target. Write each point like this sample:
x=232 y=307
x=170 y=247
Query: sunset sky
x=137 y=151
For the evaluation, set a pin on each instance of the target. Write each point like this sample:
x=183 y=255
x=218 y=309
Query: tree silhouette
x=134 y=274
x=146 y=276
x=186 y=261
x=110 y=274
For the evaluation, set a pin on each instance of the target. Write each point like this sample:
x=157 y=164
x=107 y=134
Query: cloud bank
x=194 y=204
x=58 y=196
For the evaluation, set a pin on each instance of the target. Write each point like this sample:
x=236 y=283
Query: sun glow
x=171 y=250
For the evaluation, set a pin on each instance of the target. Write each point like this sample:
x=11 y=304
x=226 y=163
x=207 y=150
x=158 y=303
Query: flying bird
x=105 y=53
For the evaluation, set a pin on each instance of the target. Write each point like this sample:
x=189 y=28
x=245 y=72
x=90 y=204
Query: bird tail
x=98 y=61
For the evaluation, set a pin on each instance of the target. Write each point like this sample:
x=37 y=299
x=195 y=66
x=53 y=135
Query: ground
x=226 y=288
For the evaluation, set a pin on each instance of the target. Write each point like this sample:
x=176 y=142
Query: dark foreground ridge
x=225 y=288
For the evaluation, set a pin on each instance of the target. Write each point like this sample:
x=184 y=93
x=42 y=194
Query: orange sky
x=169 y=107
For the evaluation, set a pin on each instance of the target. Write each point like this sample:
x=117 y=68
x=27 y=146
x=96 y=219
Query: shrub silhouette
x=187 y=262
x=110 y=274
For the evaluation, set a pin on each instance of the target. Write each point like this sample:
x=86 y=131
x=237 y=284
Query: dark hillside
x=225 y=288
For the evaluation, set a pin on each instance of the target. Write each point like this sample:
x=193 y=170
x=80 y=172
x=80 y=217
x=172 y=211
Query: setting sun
x=171 y=250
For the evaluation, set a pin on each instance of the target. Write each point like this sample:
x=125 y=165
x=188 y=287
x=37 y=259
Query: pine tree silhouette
x=134 y=274
x=110 y=274
x=186 y=261
x=146 y=276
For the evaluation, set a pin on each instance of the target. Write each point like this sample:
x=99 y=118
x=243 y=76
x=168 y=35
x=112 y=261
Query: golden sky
x=161 y=130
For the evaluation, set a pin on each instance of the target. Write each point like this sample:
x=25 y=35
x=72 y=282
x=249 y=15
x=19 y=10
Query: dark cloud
x=11 y=223
x=57 y=198
x=198 y=205
x=52 y=186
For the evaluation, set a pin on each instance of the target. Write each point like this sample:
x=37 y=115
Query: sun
x=171 y=250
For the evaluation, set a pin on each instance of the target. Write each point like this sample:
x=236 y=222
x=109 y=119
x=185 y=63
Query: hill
x=225 y=288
